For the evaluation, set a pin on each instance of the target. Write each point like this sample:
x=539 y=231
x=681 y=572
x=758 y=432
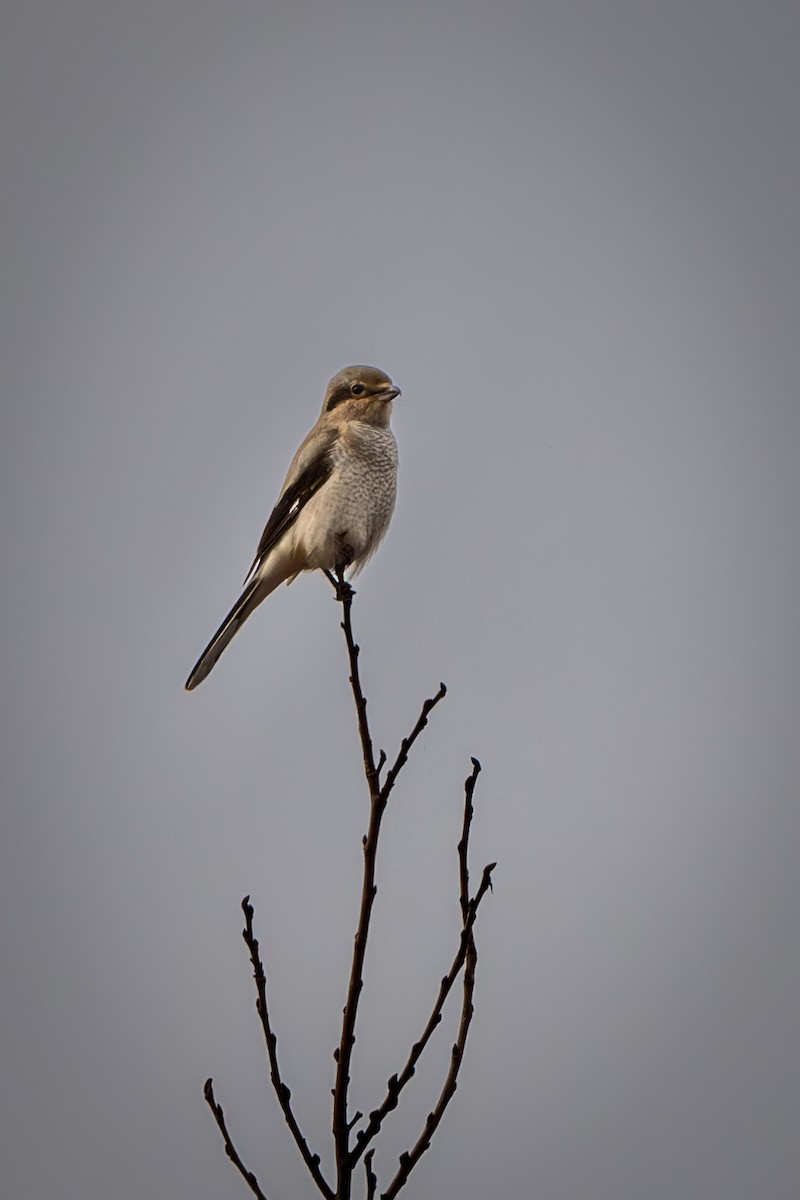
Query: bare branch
x=230 y=1149
x=408 y=742
x=281 y=1090
x=410 y=1158
x=396 y=1083
x=466 y=956
x=463 y=845
x=345 y=594
x=465 y=961
x=379 y=795
x=372 y=1178
x=341 y=1127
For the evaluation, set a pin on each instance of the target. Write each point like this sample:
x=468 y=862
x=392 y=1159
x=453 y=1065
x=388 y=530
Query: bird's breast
x=357 y=500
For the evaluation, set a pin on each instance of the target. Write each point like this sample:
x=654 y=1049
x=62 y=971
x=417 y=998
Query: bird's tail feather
x=249 y=600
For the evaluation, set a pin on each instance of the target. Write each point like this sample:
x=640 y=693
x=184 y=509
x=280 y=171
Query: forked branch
x=379 y=796
x=396 y=1083
x=464 y=962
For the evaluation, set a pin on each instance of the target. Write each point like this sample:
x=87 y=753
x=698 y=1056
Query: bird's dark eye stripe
x=355 y=389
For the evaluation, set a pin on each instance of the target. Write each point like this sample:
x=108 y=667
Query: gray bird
x=335 y=504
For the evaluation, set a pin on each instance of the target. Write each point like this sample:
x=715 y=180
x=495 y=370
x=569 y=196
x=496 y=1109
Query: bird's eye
x=356 y=388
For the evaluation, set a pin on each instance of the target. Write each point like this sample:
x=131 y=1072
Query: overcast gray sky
x=570 y=231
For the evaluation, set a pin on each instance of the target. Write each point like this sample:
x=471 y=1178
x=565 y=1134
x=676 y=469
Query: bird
x=335 y=504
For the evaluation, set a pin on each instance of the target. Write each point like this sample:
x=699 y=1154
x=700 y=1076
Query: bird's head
x=366 y=392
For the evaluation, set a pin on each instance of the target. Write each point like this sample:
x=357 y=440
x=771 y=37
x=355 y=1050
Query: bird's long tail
x=249 y=600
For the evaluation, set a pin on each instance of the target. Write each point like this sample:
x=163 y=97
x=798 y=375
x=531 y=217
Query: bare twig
x=281 y=1090
x=408 y=742
x=372 y=1178
x=410 y=1158
x=379 y=796
x=465 y=960
x=463 y=845
x=396 y=1083
x=370 y=769
x=230 y=1149
x=341 y=1128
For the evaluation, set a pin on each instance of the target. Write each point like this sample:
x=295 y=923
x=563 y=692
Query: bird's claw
x=344 y=590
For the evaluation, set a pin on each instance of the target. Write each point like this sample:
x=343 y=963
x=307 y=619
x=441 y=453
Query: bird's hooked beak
x=391 y=393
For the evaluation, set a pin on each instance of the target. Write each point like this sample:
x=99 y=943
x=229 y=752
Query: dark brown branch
x=281 y=1090
x=409 y=1159
x=230 y=1149
x=465 y=960
x=379 y=796
x=408 y=742
x=466 y=956
x=396 y=1083
x=341 y=1128
x=353 y=651
x=463 y=845
x=372 y=1178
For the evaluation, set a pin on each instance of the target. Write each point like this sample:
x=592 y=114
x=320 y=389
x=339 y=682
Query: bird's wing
x=249 y=600
x=307 y=477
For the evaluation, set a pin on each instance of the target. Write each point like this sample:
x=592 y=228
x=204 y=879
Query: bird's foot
x=344 y=590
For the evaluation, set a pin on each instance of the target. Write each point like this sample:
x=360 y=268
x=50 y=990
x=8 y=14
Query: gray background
x=569 y=230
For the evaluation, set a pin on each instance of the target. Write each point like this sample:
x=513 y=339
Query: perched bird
x=336 y=501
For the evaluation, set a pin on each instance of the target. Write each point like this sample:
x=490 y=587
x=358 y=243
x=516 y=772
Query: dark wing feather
x=247 y=602
x=290 y=505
